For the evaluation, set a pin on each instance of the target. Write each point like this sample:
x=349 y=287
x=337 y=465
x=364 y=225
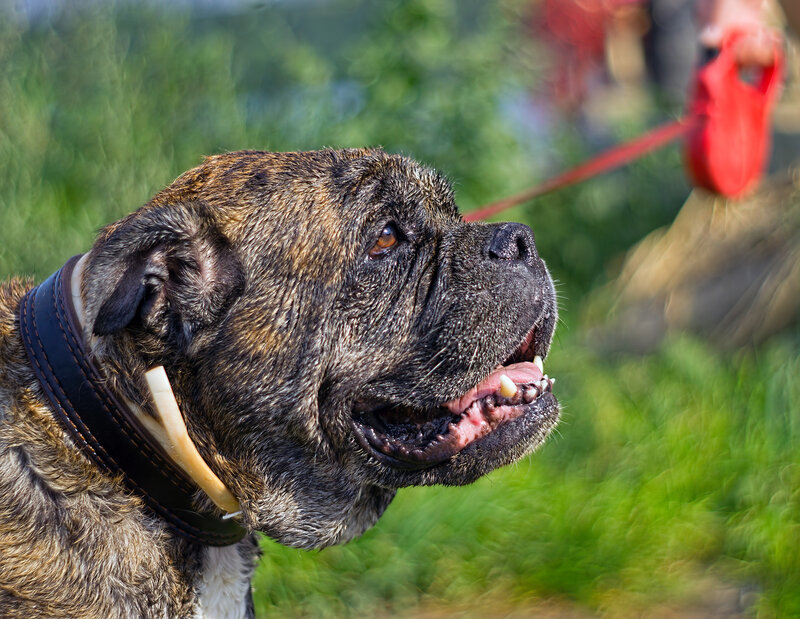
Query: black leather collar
x=99 y=424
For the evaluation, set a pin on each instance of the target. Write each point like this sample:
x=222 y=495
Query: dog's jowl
x=331 y=330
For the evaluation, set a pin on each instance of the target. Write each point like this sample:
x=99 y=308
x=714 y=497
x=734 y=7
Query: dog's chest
x=223 y=584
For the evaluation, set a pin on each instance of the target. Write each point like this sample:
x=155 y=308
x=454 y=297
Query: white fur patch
x=223 y=586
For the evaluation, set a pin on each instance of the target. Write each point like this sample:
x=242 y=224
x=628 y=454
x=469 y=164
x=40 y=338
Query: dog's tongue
x=520 y=373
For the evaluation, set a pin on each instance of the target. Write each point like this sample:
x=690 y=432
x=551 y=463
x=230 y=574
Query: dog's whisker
x=412 y=390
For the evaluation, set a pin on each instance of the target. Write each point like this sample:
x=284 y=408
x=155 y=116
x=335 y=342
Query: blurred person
x=726 y=270
x=575 y=31
x=579 y=33
x=717 y=17
x=676 y=24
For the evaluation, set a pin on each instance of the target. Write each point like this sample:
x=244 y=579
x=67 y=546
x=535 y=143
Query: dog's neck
x=169 y=430
x=107 y=430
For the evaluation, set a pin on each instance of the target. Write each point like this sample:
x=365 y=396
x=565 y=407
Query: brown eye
x=386 y=240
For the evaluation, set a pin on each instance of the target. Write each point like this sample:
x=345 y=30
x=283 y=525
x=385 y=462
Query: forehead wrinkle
x=426 y=192
x=320 y=201
x=296 y=230
x=321 y=244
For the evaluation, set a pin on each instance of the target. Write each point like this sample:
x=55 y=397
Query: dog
x=332 y=331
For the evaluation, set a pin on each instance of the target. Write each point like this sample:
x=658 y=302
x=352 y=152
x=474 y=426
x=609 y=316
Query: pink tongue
x=520 y=373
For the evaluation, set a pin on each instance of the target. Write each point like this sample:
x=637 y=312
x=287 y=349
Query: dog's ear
x=166 y=269
x=125 y=301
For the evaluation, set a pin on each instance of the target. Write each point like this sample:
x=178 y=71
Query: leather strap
x=96 y=420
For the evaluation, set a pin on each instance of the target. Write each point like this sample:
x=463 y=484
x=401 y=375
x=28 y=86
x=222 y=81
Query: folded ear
x=166 y=269
x=125 y=301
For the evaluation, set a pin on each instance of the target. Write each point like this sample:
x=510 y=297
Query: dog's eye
x=387 y=239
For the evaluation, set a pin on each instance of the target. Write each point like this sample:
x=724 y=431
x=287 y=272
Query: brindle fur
x=248 y=278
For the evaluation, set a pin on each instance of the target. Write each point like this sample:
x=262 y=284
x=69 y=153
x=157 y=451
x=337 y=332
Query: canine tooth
x=507 y=387
x=537 y=361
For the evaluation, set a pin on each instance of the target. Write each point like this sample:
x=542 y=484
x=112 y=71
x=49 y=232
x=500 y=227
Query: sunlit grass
x=668 y=473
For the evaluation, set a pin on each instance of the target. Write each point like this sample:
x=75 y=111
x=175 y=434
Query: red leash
x=727 y=134
x=612 y=158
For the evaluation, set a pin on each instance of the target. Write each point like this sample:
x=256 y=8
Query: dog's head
x=332 y=328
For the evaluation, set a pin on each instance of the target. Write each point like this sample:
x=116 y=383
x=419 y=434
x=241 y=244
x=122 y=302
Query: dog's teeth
x=530 y=395
x=537 y=361
x=507 y=387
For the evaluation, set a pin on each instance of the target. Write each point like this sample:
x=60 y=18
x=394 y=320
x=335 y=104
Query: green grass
x=668 y=474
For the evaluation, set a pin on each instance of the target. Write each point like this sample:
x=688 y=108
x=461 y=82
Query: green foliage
x=105 y=105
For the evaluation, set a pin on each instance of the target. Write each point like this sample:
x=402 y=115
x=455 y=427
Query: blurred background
x=672 y=486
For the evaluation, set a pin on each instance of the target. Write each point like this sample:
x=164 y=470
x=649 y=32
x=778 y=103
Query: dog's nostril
x=522 y=248
x=512 y=241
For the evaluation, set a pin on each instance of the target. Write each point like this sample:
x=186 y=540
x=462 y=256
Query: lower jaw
x=510 y=440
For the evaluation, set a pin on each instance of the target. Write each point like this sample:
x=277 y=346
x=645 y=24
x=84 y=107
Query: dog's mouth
x=410 y=438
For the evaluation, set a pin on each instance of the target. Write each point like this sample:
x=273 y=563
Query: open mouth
x=413 y=438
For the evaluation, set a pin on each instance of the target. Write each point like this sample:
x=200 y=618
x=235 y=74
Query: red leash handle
x=727 y=150
x=727 y=131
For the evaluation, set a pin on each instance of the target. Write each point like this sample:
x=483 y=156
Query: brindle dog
x=333 y=331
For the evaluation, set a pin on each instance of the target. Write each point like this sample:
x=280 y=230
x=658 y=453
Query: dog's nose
x=512 y=241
